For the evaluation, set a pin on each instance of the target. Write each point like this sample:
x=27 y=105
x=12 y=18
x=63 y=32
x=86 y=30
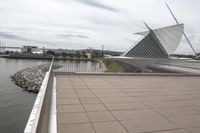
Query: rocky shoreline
x=30 y=79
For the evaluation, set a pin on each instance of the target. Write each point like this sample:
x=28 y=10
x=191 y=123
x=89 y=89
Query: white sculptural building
x=153 y=51
x=158 y=43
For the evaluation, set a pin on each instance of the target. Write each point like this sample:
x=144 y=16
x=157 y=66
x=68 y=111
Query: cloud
x=97 y=4
x=72 y=36
x=77 y=24
x=11 y=36
x=8 y=35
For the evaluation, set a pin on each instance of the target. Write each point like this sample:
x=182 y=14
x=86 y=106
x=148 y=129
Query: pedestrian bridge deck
x=127 y=104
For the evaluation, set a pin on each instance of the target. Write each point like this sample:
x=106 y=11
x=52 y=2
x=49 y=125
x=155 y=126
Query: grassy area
x=113 y=66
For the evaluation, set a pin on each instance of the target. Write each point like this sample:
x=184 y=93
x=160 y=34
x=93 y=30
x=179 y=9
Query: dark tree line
x=69 y=55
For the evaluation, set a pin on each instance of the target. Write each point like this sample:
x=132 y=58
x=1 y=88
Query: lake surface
x=15 y=104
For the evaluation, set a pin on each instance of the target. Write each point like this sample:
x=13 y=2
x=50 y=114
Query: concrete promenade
x=127 y=104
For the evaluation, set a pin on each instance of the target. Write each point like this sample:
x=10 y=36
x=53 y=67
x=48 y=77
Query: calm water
x=77 y=66
x=15 y=104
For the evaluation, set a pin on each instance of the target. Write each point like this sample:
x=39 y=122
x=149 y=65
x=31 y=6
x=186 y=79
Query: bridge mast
x=183 y=31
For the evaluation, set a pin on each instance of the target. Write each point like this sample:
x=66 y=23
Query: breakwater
x=30 y=79
x=43 y=57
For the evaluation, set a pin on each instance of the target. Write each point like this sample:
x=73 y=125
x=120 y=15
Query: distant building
x=29 y=49
x=65 y=51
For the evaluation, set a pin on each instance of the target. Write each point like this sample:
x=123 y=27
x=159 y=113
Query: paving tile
x=89 y=100
x=108 y=127
x=106 y=90
x=65 y=91
x=193 y=130
x=195 y=108
x=100 y=116
x=76 y=128
x=181 y=97
x=81 y=87
x=111 y=95
x=85 y=94
x=61 y=101
x=69 y=108
x=172 y=131
x=66 y=95
x=83 y=91
x=117 y=100
x=124 y=106
x=135 y=114
x=71 y=118
x=187 y=121
x=148 y=125
x=171 y=104
x=176 y=112
x=94 y=107
x=172 y=97
x=65 y=88
x=142 y=94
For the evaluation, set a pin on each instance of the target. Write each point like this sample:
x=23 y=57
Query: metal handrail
x=39 y=118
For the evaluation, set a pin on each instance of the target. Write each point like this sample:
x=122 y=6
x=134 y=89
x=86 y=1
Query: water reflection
x=77 y=66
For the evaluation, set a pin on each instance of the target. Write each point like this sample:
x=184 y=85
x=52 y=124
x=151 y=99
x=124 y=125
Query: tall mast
x=183 y=32
x=146 y=25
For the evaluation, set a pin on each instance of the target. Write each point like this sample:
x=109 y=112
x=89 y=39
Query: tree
x=84 y=55
x=97 y=54
x=71 y=55
x=7 y=52
x=50 y=52
x=64 y=55
x=77 y=54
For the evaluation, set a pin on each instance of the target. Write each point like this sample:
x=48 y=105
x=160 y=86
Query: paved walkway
x=128 y=104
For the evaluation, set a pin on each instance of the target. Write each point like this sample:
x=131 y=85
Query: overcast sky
x=77 y=24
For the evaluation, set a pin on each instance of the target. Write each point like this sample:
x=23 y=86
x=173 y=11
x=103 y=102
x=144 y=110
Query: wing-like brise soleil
x=144 y=33
x=167 y=38
x=170 y=37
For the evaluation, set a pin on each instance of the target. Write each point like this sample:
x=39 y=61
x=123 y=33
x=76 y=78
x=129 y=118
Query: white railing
x=39 y=118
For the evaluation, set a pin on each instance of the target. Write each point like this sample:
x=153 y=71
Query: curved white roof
x=169 y=37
